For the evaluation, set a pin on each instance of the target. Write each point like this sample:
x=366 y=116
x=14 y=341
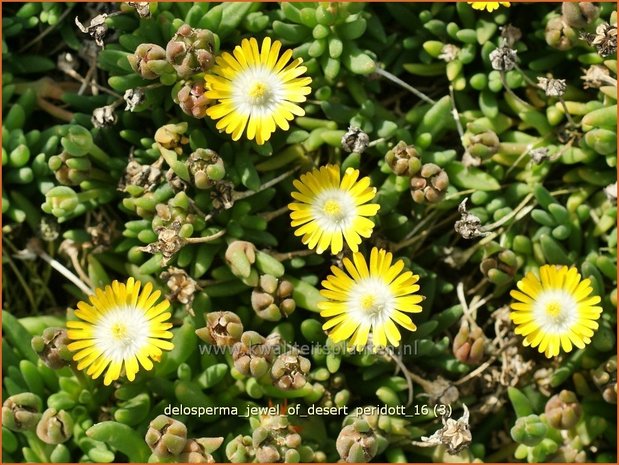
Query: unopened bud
x=21 y=412
x=529 y=430
x=357 y=443
x=563 y=410
x=166 y=437
x=51 y=347
x=403 y=159
x=55 y=427
x=191 y=50
x=289 y=371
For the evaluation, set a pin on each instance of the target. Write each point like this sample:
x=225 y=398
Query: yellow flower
x=256 y=89
x=119 y=328
x=490 y=6
x=369 y=299
x=556 y=312
x=329 y=211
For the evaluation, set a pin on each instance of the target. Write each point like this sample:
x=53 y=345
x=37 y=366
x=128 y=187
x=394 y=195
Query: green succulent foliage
x=537 y=177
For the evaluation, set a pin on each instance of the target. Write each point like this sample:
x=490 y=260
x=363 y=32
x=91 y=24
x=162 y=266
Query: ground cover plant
x=309 y=232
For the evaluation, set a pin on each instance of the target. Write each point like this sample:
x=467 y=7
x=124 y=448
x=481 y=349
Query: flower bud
x=289 y=371
x=222 y=329
x=605 y=378
x=240 y=449
x=355 y=140
x=191 y=50
x=55 y=427
x=559 y=35
x=403 y=159
x=468 y=345
x=206 y=166
x=148 y=61
x=430 y=184
x=529 y=430
x=70 y=170
x=21 y=412
x=171 y=136
x=60 y=201
x=200 y=450
x=166 y=437
x=51 y=347
x=483 y=145
x=579 y=15
x=190 y=97
x=240 y=256
x=356 y=443
x=272 y=299
x=563 y=410
x=252 y=355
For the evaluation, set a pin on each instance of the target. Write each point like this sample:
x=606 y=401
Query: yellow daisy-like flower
x=369 y=299
x=330 y=211
x=555 y=312
x=489 y=6
x=119 y=328
x=256 y=89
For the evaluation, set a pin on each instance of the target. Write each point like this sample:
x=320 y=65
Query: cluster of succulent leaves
x=99 y=198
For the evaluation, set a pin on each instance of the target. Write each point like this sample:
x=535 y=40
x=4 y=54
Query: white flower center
x=122 y=332
x=371 y=301
x=257 y=91
x=334 y=210
x=555 y=311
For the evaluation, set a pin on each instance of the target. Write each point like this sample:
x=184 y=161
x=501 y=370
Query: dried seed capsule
x=191 y=50
x=182 y=286
x=355 y=140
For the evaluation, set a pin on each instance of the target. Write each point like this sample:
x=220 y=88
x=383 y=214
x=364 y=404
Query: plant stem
x=407 y=86
x=281 y=256
x=202 y=240
x=242 y=195
x=63 y=270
